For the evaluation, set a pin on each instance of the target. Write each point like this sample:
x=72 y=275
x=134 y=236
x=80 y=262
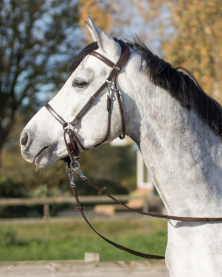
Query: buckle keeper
x=102 y=191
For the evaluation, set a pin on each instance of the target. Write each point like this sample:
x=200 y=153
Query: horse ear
x=105 y=42
x=90 y=30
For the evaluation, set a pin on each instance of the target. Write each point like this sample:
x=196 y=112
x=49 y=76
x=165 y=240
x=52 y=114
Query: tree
x=191 y=37
x=37 y=40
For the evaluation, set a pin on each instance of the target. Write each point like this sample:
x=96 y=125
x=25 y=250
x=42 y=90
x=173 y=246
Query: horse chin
x=45 y=159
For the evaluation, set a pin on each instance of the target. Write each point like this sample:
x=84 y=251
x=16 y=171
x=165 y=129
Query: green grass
x=72 y=240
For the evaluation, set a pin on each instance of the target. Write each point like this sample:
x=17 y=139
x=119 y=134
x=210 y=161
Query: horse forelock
x=183 y=87
x=82 y=54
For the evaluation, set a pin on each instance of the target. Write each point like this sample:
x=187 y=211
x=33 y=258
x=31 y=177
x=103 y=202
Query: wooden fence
x=46 y=201
x=61 y=200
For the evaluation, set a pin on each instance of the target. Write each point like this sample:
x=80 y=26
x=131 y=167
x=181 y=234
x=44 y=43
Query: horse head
x=42 y=140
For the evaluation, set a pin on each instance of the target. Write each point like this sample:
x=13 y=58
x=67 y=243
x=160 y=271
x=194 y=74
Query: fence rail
x=67 y=200
x=46 y=201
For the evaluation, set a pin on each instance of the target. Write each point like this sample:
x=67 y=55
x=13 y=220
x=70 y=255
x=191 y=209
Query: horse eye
x=79 y=84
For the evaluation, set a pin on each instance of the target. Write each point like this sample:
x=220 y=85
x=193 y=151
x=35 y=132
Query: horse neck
x=182 y=154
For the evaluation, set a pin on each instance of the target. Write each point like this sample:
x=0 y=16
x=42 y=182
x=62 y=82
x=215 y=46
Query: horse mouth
x=66 y=159
x=39 y=153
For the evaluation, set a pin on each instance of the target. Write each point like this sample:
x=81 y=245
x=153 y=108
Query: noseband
x=72 y=145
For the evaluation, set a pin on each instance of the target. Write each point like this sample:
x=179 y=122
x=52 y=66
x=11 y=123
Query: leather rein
x=73 y=148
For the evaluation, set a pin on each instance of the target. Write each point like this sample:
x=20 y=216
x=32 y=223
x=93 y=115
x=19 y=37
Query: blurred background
x=38 y=39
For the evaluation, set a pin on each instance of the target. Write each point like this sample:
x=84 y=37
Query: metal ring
x=68 y=127
x=68 y=171
x=75 y=167
x=110 y=96
x=78 y=167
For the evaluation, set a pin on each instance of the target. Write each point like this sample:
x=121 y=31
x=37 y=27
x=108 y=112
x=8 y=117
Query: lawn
x=71 y=240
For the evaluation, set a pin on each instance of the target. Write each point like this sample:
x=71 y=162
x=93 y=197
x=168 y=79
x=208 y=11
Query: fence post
x=146 y=204
x=145 y=210
x=46 y=217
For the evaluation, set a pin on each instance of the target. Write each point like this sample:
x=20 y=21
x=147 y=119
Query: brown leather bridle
x=73 y=149
x=72 y=145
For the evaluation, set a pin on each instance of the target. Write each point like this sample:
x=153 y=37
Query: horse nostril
x=24 y=139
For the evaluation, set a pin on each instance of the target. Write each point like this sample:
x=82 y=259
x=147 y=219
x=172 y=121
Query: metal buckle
x=110 y=90
x=92 y=98
x=68 y=127
x=78 y=170
x=71 y=174
x=71 y=177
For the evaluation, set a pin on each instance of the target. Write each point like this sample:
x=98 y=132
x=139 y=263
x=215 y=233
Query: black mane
x=82 y=54
x=183 y=87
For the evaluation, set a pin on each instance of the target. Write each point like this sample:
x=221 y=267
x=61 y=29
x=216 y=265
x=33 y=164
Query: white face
x=42 y=140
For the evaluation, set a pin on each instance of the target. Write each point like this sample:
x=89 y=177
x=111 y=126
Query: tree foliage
x=37 y=39
x=101 y=13
x=191 y=37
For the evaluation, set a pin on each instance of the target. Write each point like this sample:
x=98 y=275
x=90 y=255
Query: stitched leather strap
x=108 y=121
x=124 y=57
x=102 y=58
x=88 y=104
x=122 y=60
x=57 y=116
x=120 y=110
